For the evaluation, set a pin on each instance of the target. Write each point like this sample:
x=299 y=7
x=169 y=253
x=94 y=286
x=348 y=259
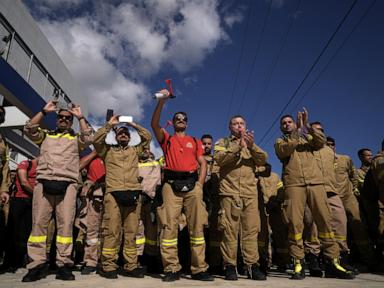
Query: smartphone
x=125 y=119
x=109 y=114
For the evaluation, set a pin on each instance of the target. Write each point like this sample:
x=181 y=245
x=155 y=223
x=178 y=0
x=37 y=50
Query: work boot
x=65 y=273
x=333 y=269
x=87 y=270
x=171 y=276
x=202 y=276
x=344 y=261
x=255 y=273
x=298 y=270
x=313 y=265
x=108 y=274
x=230 y=273
x=35 y=274
x=135 y=273
x=216 y=270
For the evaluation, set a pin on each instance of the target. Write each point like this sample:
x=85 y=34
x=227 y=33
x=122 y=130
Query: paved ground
x=275 y=280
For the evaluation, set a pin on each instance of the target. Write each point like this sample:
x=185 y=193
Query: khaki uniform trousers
x=274 y=223
x=43 y=205
x=357 y=228
x=194 y=208
x=150 y=231
x=118 y=218
x=265 y=231
x=239 y=218
x=92 y=232
x=215 y=235
x=294 y=206
x=339 y=227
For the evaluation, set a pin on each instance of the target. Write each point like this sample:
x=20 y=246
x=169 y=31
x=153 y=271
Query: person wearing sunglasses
x=56 y=189
x=122 y=203
x=184 y=176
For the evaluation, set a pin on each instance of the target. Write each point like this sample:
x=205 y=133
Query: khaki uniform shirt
x=4 y=166
x=377 y=168
x=150 y=171
x=211 y=184
x=270 y=186
x=361 y=172
x=121 y=163
x=59 y=152
x=296 y=152
x=327 y=162
x=237 y=167
x=345 y=175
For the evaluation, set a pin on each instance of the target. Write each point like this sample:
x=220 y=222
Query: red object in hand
x=169 y=84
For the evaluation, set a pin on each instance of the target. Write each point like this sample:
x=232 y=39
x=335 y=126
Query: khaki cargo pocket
x=222 y=222
x=204 y=214
x=236 y=208
x=104 y=224
x=284 y=211
x=161 y=216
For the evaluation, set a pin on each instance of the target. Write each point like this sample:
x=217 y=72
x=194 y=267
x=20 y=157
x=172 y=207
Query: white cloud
x=232 y=19
x=85 y=52
x=113 y=43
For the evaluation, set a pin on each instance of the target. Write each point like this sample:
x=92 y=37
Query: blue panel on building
x=23 y=92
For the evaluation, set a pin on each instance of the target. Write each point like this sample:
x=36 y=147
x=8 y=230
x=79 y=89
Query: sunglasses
x=65 y=117
x=125 y=132
x=181 y=118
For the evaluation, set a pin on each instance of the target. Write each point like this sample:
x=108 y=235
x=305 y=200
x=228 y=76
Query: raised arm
x=226 y=155
x=32 y=128
x=145 y=136
x=155 y=122
x=101 y=134
x=284 y=148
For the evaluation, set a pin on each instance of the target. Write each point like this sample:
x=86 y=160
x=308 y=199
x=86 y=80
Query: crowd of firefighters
x=203 y=208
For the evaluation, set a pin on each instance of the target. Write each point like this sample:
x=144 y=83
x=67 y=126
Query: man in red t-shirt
x=20 y=217
x=184 y=175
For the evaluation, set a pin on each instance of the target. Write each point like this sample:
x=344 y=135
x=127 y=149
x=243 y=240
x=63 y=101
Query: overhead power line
x=255 y=56
x=274 y=65
x=240 y=58
x=309 y=71
x=362 y=17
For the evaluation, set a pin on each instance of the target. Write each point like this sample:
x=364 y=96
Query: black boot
x=171 y=276
x=35 y=274
x=255 y=273
x=298 y=270
x=344 y=261
x=333 y=269
x=313 y=265
x=65 y=273
x=135 y=273
x=230 y=273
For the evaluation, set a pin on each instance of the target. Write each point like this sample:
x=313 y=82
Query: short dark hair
x=206 y=136
x=236 y=116
x=180 y=112
x=361 y=151
x=286 y=116
x=330 y=139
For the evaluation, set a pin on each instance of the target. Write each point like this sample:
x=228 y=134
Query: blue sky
x=252 y=54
